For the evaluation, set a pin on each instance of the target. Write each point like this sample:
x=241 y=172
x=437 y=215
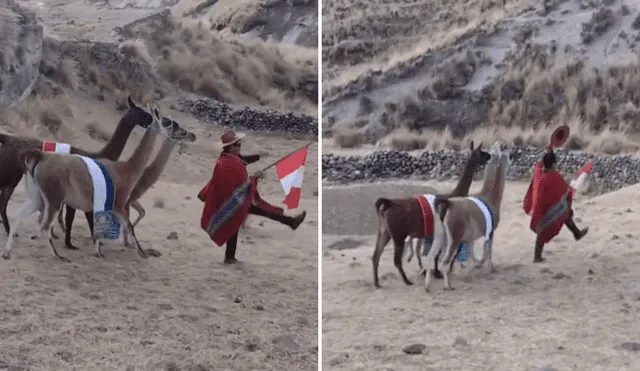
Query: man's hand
x=259 y=175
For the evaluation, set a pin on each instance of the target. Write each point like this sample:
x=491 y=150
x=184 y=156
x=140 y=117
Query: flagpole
x=278 y=160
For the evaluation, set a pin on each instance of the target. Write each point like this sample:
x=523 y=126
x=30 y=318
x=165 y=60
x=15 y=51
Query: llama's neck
x=489 y=181
x=140 y=157
x=114 y=147
x=464 y=184
x=152 y=172
x=497 y=192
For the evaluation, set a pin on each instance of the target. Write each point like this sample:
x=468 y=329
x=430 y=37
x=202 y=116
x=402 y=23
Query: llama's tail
x=30 y=159
x=441 y=205
x=382 y=204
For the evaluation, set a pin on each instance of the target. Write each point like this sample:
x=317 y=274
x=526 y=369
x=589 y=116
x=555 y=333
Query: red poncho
x=227 y=198
x=548 y=202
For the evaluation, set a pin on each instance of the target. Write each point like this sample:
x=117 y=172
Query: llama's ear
x=479 y=147
x=471 y=145
x=156 y=113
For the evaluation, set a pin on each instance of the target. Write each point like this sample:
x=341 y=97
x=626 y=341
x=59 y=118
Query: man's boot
x=537 y=252
x=293 y=221
x=577 y=233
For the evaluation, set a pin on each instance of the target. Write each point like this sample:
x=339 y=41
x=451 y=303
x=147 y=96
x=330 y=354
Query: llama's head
x=175 y=132
x=138 y=116
x=171 y=128
x=479 y=156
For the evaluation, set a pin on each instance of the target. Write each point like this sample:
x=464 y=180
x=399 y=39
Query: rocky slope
x=531 y=65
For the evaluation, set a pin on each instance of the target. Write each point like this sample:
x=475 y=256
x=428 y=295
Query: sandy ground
x=573 y=312
x=184 y=310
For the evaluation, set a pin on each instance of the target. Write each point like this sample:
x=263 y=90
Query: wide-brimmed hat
x=230 y=137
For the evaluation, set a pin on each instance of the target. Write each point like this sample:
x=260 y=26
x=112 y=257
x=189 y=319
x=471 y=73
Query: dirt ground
x=577 y=311
x=184 y=310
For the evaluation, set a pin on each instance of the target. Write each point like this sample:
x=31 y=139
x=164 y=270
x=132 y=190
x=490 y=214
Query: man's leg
x=230 y=252
x=292 y=222
x=537 y=253
x=577 y=233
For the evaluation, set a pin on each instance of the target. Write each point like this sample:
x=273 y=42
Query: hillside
x=405 y=73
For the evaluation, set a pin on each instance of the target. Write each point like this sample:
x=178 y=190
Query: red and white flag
x=290 y=170
x=581 y=176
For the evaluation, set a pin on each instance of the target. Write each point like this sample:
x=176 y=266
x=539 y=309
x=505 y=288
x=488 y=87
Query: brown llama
x=467 y=219
x=400 y=218
x=54 y=179
x=11 y=169
x=152 y=172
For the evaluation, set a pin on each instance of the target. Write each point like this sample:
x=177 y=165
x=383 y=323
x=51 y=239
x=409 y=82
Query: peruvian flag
x=581 y=176
x=290 y=170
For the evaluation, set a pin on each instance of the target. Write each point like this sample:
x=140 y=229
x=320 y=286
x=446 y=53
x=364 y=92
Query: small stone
x=548 y=368
x=460 y=341
x=590 y=271
x=258 y=307
x=545 y=270
x=172 y=236
x=286 y=342
x=559 y=276
x=238 y=299
x=631 y=346
x=615 y=237
x=415 y=348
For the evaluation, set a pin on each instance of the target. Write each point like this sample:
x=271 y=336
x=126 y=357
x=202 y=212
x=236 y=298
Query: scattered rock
x=223 y=114
x=559 y=276
x=286 y=342
x=415 y=348
x=172 y=236
x=258 y=307
x=590 y=271
x=238 y=299
x=609 y=172
x=631 y=346
x=153 y=252
x=460 y=341
x=548 y=368
x=346 y=244
x=615 y=237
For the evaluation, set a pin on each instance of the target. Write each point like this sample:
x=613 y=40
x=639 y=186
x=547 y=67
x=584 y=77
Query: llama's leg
x=381 y=241
x=49 y=214
x=447 y=257
x=419 y=243
x=486 y=255
x=141 y=212
x=432 y=260
x=398 y=249
x=126 y=223
x=5 y=196
x=408 y=248
x=68 y=223
x=61 y=222
x=28 y=208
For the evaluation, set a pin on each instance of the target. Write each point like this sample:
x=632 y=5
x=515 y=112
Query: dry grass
x=572 y=313
x=408 y=30
x=228 y=68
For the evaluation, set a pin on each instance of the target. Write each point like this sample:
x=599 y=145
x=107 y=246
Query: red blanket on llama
x=548 y=202
x=227 y=198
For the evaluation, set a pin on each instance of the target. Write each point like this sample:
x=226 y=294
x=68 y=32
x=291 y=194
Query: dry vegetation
x=226 y=67
x=427 y=102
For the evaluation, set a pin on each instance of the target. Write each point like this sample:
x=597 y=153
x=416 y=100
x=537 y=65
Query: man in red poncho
x=231 y=194
x=548 y=202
